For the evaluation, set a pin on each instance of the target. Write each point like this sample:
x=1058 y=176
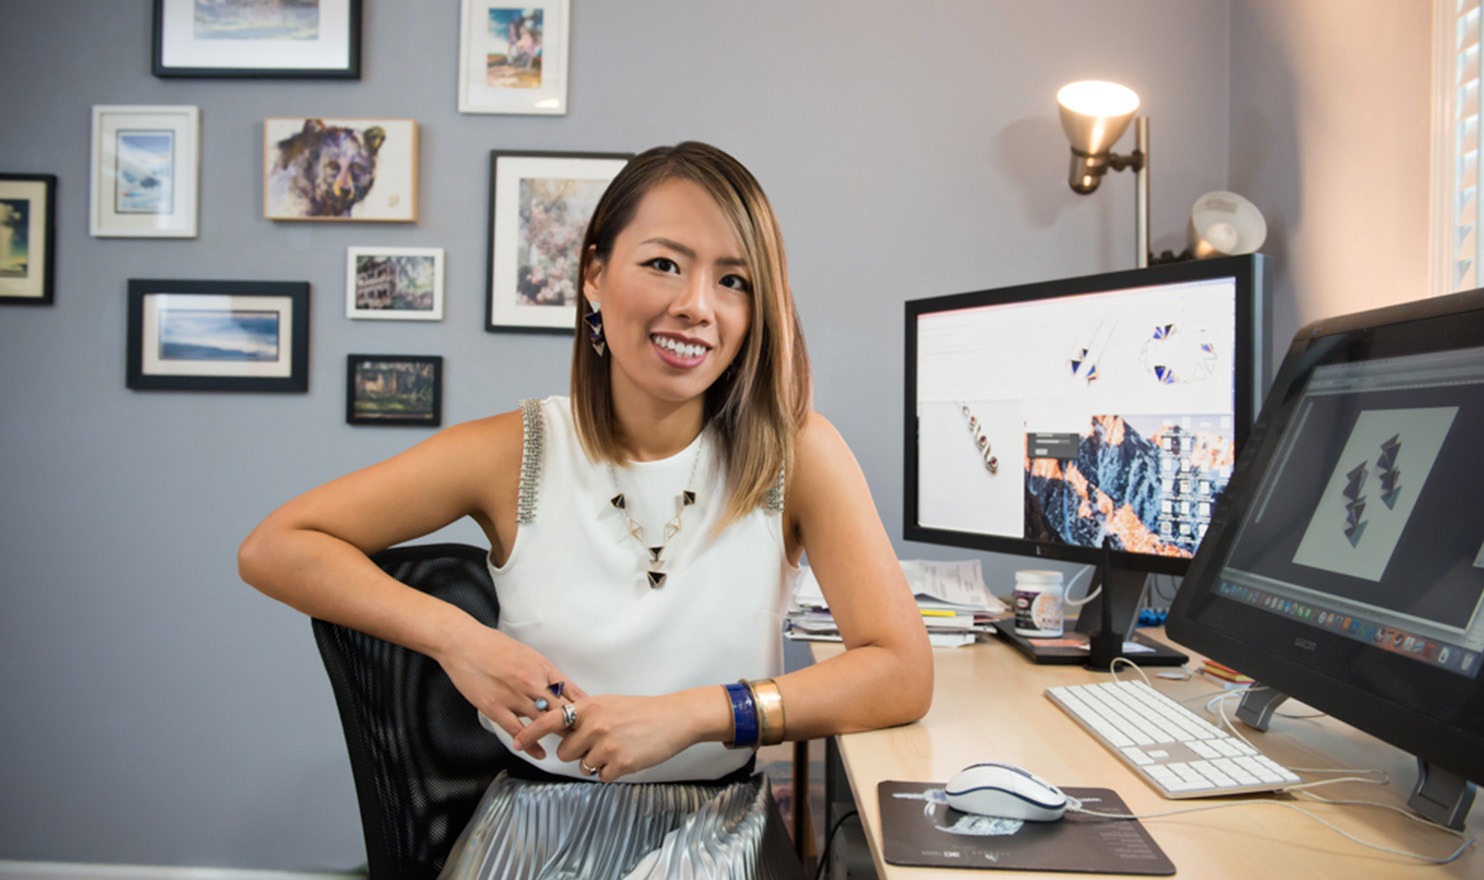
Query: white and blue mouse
x=1007 y=791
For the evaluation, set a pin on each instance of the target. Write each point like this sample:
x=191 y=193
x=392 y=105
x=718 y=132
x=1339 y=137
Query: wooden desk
x=989 y=705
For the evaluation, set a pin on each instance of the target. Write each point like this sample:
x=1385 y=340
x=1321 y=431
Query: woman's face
x=675 y=294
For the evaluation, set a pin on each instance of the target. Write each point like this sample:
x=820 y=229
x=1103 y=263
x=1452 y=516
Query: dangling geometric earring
x=594 y=319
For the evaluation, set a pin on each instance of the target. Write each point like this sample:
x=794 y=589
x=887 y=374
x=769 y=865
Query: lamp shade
x=1094 y=114
x=1224 y=224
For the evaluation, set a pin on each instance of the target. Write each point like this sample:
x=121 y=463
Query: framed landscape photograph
x=539 y=207
x=340 y=169
x=28 y=238
x=218 y=335
x=394 y=389
x=257 y=38
x=146 y=163
x=513 y=57
x=400 y=284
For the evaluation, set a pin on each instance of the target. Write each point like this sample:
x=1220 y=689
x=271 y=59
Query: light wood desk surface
x=989 y=704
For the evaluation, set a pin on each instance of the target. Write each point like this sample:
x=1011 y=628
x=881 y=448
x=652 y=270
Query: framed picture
x=513 y=57
x=340 y=169
x=400 y=284
x=146 y=161
x=218 y=335
x=394 y=389
x=539 y=207
x=28 y=238
x=258 y=38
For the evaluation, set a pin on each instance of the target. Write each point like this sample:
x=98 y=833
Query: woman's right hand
x=504 y=678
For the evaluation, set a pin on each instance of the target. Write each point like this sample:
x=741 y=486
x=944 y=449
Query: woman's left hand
x=618 y=735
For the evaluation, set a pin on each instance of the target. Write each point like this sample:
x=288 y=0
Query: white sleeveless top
x=574 y=587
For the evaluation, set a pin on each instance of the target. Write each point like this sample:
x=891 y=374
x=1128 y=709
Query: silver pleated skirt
x=537 y=830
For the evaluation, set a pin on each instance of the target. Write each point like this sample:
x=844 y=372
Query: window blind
x=1458 y=95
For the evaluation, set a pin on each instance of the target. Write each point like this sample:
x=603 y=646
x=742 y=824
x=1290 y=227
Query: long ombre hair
x=761 y=401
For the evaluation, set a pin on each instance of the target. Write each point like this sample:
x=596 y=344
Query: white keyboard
x=1179 y=753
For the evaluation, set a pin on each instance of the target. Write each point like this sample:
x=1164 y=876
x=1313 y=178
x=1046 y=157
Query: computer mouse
x=1006 y=791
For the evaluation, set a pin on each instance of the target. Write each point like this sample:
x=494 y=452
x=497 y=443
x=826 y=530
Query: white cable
x=1220 y=703
x=1343 y=833
x=1415 y=817
x=1113 y=669
x=1085 y=599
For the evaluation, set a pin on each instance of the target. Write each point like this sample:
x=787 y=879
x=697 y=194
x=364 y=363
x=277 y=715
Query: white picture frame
x=394 y=284
x=513 y=56
x=145 y=171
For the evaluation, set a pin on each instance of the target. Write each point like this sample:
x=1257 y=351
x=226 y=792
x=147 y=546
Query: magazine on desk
x=954 y=602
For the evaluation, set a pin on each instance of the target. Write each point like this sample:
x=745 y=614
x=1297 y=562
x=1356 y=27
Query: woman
x=645 y=534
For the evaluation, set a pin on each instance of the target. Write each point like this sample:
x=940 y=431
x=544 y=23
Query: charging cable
x=1076 y=807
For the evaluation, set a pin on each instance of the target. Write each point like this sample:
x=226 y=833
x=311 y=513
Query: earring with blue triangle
x=594 y=319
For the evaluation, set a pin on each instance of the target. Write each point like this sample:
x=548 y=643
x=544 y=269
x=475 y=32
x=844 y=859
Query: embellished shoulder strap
x=532 y=441
x=774 y=503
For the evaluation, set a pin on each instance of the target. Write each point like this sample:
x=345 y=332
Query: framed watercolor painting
x=403 y=284
x=394 y=389
x=539 y=207
x=513 y=57
x=340 y=169
x=146 y=164
x=28 y=238
x=218 y=335
x=257 y=38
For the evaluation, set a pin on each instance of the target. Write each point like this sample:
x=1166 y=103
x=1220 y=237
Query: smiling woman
x=645 y=534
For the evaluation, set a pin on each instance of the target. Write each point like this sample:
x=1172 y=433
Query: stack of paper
x=951 y=596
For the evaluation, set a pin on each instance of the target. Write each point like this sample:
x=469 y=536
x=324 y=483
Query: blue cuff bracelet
x=744 y=717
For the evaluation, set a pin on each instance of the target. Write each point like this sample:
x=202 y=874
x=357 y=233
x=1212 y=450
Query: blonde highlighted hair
x=761 y=401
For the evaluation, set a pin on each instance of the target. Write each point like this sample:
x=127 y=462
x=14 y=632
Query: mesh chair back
x=420 y=760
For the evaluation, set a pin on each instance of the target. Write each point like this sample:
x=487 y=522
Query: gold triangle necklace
x=655 y=552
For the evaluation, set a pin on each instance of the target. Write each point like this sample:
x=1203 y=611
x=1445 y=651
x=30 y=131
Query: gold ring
x=586 y=770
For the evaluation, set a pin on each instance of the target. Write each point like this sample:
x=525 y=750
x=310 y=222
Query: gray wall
x=157 y=711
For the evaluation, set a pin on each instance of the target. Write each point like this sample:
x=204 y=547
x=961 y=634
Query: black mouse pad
x=919 y=829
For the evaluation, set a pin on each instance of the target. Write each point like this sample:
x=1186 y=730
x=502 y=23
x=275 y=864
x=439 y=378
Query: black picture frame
x=415 y=398
x=585 y=176
x=34 y=283
x=177 y=54
x=187 y=335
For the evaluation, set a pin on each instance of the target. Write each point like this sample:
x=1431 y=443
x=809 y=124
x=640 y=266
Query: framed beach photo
x=513 y=57
x=539 y=207
x=28 y=238
x=218 y=335
x=298 y=39
x=340 y=169
x=394 y=389
x=400 y=284
x=146 y=163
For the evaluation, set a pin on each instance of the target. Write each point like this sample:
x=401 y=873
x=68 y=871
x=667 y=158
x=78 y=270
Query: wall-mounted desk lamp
x=1094 y=115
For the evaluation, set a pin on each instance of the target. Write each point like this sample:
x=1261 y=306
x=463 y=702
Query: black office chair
x=420 y=760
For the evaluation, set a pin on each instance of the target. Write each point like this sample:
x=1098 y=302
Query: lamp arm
x=1134 y=160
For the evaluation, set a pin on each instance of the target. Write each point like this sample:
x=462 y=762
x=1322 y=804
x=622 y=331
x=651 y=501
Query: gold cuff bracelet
x=769 y=701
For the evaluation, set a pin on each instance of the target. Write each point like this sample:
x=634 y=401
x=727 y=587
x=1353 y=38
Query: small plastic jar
x=1038 y=605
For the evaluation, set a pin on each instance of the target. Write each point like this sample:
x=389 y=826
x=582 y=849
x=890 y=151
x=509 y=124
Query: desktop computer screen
x=1344 y=564
x=1043 y=418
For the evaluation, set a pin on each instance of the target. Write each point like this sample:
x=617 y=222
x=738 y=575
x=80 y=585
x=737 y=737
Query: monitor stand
x=1440 y=795
x=1127 y=590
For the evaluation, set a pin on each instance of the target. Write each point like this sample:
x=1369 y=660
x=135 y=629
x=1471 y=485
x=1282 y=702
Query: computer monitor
x=1058 y=418
x=1344 y=565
